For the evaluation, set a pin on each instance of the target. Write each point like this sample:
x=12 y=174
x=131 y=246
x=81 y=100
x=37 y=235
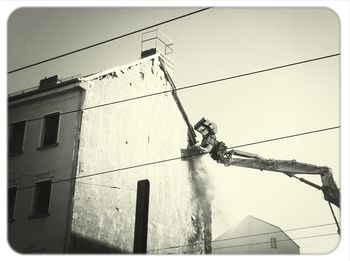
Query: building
x=112 y=131
x=43 y=147
x=254 y=236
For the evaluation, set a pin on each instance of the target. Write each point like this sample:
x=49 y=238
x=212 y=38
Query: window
x=41 y=198
x=16 y=137
x=12 y=194
x=273 y=242
x=49 y=132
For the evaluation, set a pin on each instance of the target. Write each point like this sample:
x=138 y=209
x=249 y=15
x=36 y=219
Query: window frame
x=12 y=218
x=273 y=242
x=42 y=132
x=33 y=201
x=24 y=138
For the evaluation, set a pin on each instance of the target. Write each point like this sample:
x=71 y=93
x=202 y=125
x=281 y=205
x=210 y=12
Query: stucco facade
x=107 y=140
x=28 y=231
x=254 y=236
x=116 y=140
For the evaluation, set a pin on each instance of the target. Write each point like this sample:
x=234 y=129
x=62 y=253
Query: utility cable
x=259 y=71
x=178 y=158
x=79 y=182
x=105 y=186
x=197 y=243
x=108 y=40
x=282 y=240
x=285 y=137
x=219 y=240
x=192 y=86
x=240 y=237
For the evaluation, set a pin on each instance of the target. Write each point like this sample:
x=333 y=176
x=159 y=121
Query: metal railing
x=160 y=43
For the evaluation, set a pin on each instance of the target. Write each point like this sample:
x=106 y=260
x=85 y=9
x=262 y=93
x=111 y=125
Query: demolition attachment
x=219 y=152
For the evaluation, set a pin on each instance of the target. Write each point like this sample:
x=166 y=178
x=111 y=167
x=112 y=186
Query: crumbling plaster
x=124 y=135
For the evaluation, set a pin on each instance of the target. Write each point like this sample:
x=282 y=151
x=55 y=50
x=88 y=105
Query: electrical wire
x=268 y=242
x=79 y=182
x=233 y=238
x=282 y=240
x=260 y=71
x=105 y=186
x=240 y=237
x=193 y=85
x=162 y=161
x=187 y=87
x=285 y=137
x=178 y=158
x=108 y=40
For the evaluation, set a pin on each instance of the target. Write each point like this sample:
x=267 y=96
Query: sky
x=214 y=44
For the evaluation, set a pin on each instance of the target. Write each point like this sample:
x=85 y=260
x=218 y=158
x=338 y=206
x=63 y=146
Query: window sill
x=48 y=146
x=16 y=154
x=39 y=216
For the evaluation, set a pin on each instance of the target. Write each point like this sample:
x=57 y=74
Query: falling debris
x=142 y=75
x=203 y=197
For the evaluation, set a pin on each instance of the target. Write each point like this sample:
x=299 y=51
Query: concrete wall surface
x=120 y=137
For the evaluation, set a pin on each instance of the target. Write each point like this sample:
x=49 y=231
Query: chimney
x=48 y=82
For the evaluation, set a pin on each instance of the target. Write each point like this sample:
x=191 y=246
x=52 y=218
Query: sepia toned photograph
x=174 y=130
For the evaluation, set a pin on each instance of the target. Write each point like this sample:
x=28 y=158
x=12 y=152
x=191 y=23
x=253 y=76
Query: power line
x=240 y=237
x=285 y=137
x=183 y=157
x=105 y=186
x=79 y=182
x=260 y=71
x=282 y=240
x=193 y=85
x=109 y=40
x=232 y=238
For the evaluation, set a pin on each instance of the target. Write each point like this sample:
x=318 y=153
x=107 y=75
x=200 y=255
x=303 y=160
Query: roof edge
x=35 y=90
x=105 y=72
x=275 y=227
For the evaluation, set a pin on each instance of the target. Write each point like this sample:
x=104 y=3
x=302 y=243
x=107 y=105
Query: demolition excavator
x=220 y=153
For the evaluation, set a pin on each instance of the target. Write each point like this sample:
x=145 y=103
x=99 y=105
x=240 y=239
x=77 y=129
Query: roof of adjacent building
x=248 y=219
x=41 y=89
x=70 y=80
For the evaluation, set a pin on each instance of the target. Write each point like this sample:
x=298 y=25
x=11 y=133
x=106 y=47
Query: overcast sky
x=218 y=43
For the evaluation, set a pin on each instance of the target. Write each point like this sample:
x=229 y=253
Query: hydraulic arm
x=219 y=152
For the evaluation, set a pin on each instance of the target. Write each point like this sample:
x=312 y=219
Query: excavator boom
x=222 y=154
x=291 y=168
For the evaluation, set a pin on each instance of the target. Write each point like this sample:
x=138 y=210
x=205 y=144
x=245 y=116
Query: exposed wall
x=253 y=236
x=44 y=234
x=128 y=134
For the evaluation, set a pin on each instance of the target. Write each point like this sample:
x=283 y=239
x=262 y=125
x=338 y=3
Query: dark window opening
x=41 y=198
x=273 y=243
x=12 y=193
x=50 y=129
x=16 y=138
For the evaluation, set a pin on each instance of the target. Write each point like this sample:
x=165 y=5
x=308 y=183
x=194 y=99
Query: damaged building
x=128 y=134
x=122 y=125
